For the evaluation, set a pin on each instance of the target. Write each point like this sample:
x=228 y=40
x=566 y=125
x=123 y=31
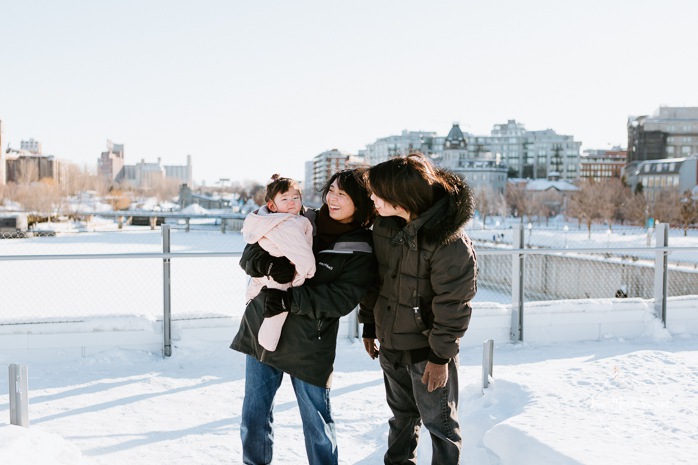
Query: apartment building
x=671 y=132
x=600 y=164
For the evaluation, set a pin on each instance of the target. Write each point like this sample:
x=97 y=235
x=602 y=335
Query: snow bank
x=22 y=446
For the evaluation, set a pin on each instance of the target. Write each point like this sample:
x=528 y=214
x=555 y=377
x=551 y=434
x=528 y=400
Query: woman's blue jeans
x=257 y=425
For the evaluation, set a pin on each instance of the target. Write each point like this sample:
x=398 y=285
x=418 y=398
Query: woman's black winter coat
x=308 y=341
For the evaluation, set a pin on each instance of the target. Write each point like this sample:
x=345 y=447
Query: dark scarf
x=328 y=230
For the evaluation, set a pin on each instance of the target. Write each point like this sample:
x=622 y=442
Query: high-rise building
x=479 y=168
x=670 y=132
x=389 y=147
x=111 y=163
x=326 y=164
x=532 y=154
x=31 y=146
x=309 y=193
x=183 y=173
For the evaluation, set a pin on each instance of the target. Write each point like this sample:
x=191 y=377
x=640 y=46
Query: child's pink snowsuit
x=280 y=234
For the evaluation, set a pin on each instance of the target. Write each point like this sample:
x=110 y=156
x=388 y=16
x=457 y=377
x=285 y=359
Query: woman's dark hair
x=352 y=181
x=409 y=182
x=279 y=185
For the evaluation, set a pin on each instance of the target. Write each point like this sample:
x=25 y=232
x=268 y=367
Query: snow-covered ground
x=603 y=402
x=609 y=401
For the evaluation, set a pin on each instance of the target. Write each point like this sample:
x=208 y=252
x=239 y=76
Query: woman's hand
x=276 y=301
x=371 y=347
x=257 y=262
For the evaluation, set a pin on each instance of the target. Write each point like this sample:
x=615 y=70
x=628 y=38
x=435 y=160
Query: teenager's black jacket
x=428 y=277
x=308 y=341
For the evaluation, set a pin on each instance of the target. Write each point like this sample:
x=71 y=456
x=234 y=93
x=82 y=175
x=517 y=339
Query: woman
x=428 y=276
x=306 y=350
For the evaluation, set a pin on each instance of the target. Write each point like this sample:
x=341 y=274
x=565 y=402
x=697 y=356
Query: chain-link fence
x=80 y=276
x=75 y=276
x=592 y=274
x=563 y=263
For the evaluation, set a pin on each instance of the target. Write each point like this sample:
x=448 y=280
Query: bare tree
x=43 y=197
x=612 y=194
x=688 y=211
x=118 y=199
x=519 y=200
x=547 y=204
x=257 y=193
x=482 y=202
x=166 y=189
x=665 y=207
x=585 y=203
x=9 y=192
x=634 y=207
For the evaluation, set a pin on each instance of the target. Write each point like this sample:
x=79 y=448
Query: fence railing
x=189 y=272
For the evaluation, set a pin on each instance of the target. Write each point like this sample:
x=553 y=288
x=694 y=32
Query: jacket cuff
x=433 y=358
x=369 y=331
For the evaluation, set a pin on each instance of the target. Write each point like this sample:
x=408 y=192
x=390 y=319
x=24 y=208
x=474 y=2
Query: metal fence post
x=487 y=362
x=517 y=285
x=167 y=311
x=661 y=271
x=353 y=324
x=19 y=397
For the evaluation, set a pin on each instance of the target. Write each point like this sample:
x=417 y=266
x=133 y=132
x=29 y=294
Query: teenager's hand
x=435 y=376
x=276 y=301
x=371 y=347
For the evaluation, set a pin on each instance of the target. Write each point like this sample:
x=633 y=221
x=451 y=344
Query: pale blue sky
x=249 y=88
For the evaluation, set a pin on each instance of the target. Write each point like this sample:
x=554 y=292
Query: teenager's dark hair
x=352 y=182
x=409 y=182
x=279 y=185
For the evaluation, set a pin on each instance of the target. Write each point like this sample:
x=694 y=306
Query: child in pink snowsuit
x=281 y=230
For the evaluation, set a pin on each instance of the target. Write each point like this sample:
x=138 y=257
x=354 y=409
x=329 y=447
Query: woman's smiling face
x=340 y=204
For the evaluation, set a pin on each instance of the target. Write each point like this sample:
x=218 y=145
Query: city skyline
x=233 y=83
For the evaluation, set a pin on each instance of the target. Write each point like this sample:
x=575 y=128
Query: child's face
x=286 y=202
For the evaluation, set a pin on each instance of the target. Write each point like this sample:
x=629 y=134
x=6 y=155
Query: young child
x=281 y=230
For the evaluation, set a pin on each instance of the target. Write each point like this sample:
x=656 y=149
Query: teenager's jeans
x=256 y=428
x=412 y=404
